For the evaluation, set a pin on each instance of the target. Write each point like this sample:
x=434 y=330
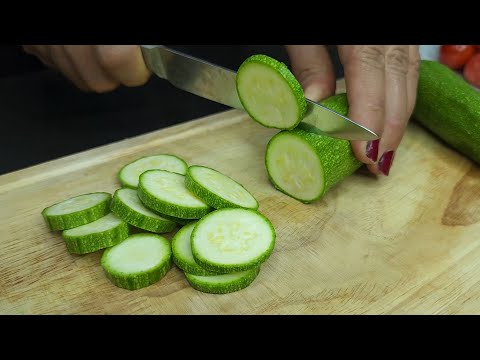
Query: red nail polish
x=385 y=162
x=372 y=150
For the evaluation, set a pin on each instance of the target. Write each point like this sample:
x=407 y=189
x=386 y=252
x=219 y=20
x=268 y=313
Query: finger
x=41 y=52
x=412 y=77
x=62 y=62
x=313 y=68
x=396 y=106
x=364 y=69
x=83 y=58
x=123 y=63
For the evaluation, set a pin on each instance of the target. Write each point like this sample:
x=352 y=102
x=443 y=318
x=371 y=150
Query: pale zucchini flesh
x=223 y=283
x=305 y=165
x=99 y=234
x=131 y=172
x=232 y=240
x=270 y=93
x=77 y=211
x=182 y=252
x=218 y=190
x=127 y=206
x=139 y=261
x=165 y=192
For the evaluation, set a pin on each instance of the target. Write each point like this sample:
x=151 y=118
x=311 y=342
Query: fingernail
x=312 y=93
x=372 y=150
x=385 y=162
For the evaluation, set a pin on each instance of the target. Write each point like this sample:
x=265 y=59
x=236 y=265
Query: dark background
x=44 y=117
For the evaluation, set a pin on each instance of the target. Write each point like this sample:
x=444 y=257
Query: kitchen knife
x=217 y=83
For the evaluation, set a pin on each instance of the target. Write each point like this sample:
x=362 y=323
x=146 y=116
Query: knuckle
x=375 y=105
x=415 y=63
x=114 y=56
x=372 y=56
x=397 y=124
x=308 y=73
x=398 y=60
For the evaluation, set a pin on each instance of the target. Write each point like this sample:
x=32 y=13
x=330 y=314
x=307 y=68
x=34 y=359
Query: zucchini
x=270 y=93
x=139 y=261
x=128 y=207
x=182 y=252
x=165 y=192
x=100 y=234
x=218 y=190
x=130 y=173
x=223 y=283
x=77 y=211
x=449 y=107
x=305 y=165
x=232 y=240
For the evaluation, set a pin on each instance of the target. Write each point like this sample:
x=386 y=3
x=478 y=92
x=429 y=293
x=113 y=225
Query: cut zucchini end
x=217 y=189
x=139 y=261
x=270 y=93
x=130 y=173
x=223 y=284
x=76 y=211
x=232 y=240
x=294 y=167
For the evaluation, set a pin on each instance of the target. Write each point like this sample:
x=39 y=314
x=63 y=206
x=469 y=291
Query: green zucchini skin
x=78 y=218
x=449 y=107
x=140 y=220
x=286 y=75
x=138 y=279
x=219 y=285
x=94 y=241
x=165 y=207
x=185 y=261
x=221 y=267
x=209 y=197
x=335 y=156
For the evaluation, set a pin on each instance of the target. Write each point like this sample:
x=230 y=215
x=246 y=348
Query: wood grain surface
x=407 y=243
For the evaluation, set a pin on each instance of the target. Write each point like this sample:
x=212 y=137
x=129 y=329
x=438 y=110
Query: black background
x=44 y=117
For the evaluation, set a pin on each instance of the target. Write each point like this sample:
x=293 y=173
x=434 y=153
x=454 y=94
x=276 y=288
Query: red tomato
x=455 y=56
x=471 y=72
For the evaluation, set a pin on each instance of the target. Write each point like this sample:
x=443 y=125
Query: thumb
x=313 y=68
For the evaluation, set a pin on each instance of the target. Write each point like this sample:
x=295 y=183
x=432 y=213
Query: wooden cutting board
x=409 y=243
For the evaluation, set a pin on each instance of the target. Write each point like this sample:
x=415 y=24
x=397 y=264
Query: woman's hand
x=381 y=83
x=98 y=68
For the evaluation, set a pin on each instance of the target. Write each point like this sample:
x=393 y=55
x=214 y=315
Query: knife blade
x=217 y=83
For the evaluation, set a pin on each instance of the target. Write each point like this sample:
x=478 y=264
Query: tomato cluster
x=464 y=58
